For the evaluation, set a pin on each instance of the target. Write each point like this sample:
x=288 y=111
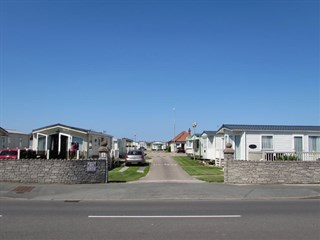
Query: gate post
x=104 y=155
x=228 y=156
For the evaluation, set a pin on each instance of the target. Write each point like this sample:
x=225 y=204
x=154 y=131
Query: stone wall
x=264 y=172
x=53 y=171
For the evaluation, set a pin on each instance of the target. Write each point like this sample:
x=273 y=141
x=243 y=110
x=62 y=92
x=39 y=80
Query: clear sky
x=123 y=66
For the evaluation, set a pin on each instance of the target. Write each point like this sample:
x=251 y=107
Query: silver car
x=135 y=156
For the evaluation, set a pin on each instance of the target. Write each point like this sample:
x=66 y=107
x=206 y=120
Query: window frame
x=272 y=142
x=309 y=144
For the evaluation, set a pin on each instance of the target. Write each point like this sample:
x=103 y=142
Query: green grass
x=130 y=174
x=200 y=171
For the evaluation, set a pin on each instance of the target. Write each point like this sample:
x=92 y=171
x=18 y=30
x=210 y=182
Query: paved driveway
x=163 y=168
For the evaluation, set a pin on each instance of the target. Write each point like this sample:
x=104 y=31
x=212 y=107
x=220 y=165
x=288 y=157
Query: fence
x=293 y=156
x=79 y=155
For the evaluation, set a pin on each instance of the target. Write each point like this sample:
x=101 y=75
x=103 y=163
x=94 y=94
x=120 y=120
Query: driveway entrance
x=163 y=168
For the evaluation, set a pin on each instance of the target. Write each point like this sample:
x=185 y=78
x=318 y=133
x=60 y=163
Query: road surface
x=165 y=169
x=180 y=219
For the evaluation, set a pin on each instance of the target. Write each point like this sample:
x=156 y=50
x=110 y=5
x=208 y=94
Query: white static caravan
x=119 y=149
x=55 y=141
x=207 y=145
x=158 y=146
x=212 y=146
x=189 y=146
x=13 y=139
x=143 y=144
x=267 y=142
x=193 y=145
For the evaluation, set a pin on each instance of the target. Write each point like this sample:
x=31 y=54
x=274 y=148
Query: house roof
x=70 y=127
x=4 y=131
x=209 y=133
x=181 y=137
x=240 y=127
x=194 y=137
x=7 y=131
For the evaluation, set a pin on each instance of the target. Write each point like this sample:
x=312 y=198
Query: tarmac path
x=163 y=168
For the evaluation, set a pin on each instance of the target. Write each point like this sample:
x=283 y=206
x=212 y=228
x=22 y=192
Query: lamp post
x=174 y=129
x=194 y=125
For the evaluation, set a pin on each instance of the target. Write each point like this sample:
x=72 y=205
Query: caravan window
x=314 y=143
x=267 y=142
x=79 y=142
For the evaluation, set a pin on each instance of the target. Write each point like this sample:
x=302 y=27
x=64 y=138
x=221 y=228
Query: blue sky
x=122 y=66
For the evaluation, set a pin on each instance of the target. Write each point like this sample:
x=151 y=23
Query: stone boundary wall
x=272 y=172
x=53 y=171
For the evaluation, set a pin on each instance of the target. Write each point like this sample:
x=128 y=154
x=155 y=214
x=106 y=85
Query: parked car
x=181 y=150
x=135 y=156
x=9 y=154
x=13 y=154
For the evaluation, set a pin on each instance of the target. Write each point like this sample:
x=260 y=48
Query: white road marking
x=168 y=216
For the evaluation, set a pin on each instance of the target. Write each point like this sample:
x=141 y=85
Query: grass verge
x=200 y=171
x=130 y=174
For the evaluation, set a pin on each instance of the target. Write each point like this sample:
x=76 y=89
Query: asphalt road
x=285 y=219
x=165 y=169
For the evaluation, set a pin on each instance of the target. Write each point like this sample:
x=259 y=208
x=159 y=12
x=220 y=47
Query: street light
x=194 y=125
x=174 y=129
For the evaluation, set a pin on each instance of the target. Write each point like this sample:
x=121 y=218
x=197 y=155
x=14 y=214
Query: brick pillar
x=104 y=155
x=228 y=156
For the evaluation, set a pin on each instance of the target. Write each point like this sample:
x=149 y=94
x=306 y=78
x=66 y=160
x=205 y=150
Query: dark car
x=181 y=150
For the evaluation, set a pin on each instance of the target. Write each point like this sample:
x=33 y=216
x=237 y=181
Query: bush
x=288 y=157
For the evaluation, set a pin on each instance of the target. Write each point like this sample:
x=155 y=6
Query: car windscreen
x=8 y=153
x=134 y=153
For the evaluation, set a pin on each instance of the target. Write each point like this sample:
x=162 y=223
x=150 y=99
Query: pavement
x=156 y=191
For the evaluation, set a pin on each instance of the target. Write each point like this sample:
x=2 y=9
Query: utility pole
x=174 y=128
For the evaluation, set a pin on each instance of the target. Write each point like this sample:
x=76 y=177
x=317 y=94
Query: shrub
x=288 y=157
